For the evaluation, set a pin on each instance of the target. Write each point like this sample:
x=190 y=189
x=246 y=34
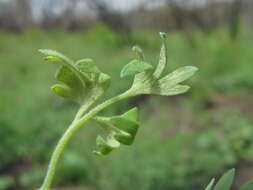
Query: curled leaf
x=52 y=55
x=122 y=129
x=135 y=67
x=104 y=147
x=64 y=91
x=83 y=82
x=163 y=57
x=88 y=68
x=139 y=52
x=104 y=80
x=128 y=124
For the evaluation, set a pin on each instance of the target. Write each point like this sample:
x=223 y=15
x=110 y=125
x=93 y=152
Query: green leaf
x=104 y=147
x=132 y=115
x=124 y=126
x=104 y=80
x=177 y=76
x=84 y=83
x=225 y=181
x=247 y=186
x=65 y=75
x=64 y=91
x=127 y=123
x=166 y=86
x=165 y=90
x=210 y=185
x=87 y=66
x=53 y=55
x=163 y=57
x=139 y=52
x=124 y=138
x=135 y=67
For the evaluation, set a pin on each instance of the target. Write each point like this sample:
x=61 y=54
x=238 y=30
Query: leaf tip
x=136 y=48
x=162 y=35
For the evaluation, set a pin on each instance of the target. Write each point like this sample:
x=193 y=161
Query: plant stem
x=75 y=125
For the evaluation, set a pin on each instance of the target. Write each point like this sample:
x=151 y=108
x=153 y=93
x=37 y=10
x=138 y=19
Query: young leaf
x=84 y=83
x=210 y=185
x=124 y=126
x=247 y=186
x=163 y=57
x=87 y=66
x=104 y=147
x=167 y=86
x=135 y=67
x=65 y=75
x=139 y=52
x=53 y=55
x=64 y=91
x=104 y=80
x=164 y=90
x=128 y=123
x=177 y=76
x=225 y=181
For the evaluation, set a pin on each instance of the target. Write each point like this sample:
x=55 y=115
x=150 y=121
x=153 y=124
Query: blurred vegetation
x=183 y=141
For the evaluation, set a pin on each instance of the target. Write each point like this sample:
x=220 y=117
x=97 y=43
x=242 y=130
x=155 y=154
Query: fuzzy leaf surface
x=83 y=81
x=163 y=57
x=135 y=67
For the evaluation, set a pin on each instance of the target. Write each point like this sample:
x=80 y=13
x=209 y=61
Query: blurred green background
x=183 y=141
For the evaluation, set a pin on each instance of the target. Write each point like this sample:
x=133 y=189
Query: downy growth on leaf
x=83 y=82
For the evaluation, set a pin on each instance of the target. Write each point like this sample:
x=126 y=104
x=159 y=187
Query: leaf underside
x=122 y=130
x=84 y=83
x=82 y=80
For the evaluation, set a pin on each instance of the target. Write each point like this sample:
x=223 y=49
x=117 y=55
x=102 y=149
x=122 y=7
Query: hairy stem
x=76 y=124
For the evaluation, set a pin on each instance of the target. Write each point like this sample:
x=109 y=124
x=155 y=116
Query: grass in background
x=181 y=144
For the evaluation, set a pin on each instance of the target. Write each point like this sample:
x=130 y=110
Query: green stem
x=76 y=124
